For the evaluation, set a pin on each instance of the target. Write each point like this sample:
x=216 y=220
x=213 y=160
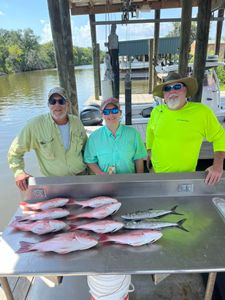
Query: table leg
x=210 y=285
x=6 y=288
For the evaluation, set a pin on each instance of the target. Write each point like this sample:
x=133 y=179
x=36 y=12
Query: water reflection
x=23 y=96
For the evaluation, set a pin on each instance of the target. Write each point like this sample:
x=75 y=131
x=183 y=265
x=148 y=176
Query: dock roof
x=167 y=45
x=84 y=7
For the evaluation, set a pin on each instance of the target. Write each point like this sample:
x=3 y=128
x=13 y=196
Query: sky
x=22 y=14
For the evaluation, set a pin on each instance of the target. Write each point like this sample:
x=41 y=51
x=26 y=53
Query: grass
x=222 y=87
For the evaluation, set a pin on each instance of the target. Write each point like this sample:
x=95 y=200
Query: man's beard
x=173 y=103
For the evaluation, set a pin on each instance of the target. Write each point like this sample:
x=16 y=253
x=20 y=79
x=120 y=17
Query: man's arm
x=215 y=172
x=139 y=165
x=95 y=168
x=148 y=159
x=18 y=148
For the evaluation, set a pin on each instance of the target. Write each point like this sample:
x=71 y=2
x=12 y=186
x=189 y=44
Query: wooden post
x=62 y=38
x=156 y=43
x=219 y=31
x=150 y=66
x=6 y=288
x=98 y=64
x=128 y=109
x=185 y=37
x=204 y=13
x=94 y=55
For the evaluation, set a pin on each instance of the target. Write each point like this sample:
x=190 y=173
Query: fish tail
x=25 y=247
x=174 y=212
x=19 y=218
x=23 y=205
x=180 y=225
x=103 y=238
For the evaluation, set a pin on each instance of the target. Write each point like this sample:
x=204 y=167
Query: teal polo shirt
x=121 y=151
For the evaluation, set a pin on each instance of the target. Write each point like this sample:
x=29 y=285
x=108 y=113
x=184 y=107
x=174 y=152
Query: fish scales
x=153 y=224
x=150 y=214
x=61 y=243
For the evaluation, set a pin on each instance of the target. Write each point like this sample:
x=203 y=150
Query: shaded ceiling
x=84 y=7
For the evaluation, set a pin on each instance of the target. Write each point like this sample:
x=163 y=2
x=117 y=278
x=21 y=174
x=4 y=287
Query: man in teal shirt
x=176 y=130
x=114 y=147
x=57 y=138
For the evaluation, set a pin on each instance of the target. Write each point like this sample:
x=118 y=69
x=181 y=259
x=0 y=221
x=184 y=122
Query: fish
x=54 y=213
x=40 y=227
x=133 y=238
x=46 y=204
x=153 y=224
x=61 y=243
x=103 y=226
x=96 y=202
x=99 y=212
x=150 y=214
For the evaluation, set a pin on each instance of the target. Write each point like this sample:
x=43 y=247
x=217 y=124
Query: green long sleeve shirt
x=42 y=135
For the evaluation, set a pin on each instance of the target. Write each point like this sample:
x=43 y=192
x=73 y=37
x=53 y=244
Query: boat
x=133 y=65
x=211 y=95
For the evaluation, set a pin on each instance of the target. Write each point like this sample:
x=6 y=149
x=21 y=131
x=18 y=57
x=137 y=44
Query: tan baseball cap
x=58 y=90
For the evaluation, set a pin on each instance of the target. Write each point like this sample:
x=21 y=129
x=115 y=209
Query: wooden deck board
x=19 y=286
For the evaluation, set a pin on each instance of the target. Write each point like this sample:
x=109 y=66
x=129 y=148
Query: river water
x=23 y=96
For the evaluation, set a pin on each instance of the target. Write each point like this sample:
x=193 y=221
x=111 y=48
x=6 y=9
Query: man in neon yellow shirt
x=57 y=138
x=176 y=130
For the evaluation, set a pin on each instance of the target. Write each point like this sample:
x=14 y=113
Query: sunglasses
x=53 y=101
x=113 y=110
x=176 y=87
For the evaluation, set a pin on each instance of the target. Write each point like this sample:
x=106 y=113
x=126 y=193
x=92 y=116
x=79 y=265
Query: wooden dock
x=136 y=99
x=176 y=286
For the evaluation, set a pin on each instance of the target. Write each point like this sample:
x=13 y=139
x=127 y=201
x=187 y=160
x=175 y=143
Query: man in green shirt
x=176 y=130
x=57 y=138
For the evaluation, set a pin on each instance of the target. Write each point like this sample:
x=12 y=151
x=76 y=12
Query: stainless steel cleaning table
x=202 y=249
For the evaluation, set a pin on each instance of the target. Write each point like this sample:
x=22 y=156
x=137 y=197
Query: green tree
x=176 y=30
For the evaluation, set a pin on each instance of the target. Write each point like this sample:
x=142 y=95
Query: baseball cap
x=58 y=90
x=113 y=101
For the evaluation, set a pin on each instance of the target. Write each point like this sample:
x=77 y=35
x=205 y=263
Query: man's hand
x=22 y=181
x=148 y=160
x=213 y=174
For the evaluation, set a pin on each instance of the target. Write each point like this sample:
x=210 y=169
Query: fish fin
x=174 y=212
x=180 y=223
x=103 y=238
x=23 y=205
x=72 y=227
x=71 y=217
x=25 y=247
x=72 y=202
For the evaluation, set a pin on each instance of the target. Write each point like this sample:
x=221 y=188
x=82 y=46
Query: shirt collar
x=118 y=132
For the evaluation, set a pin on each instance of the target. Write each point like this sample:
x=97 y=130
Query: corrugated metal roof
x=140 y=47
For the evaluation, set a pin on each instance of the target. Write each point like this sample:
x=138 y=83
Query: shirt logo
x=182 y=120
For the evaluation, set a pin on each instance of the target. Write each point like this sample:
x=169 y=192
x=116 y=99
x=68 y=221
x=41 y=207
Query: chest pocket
x=77 y=142
x=47 y=148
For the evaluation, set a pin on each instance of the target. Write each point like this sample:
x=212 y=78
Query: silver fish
x=153 y=224
x=150 y=214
